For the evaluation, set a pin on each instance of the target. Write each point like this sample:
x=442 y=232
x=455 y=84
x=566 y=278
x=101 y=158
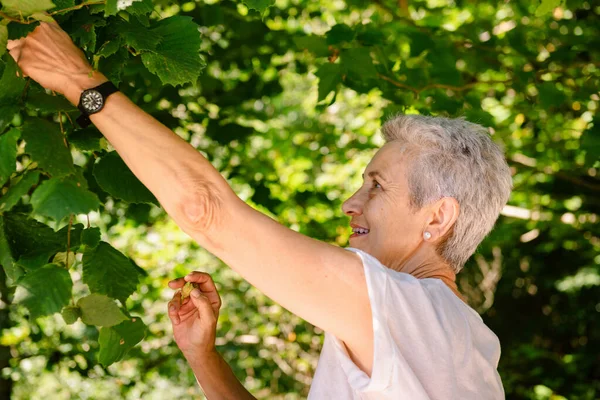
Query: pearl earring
x=427 y=235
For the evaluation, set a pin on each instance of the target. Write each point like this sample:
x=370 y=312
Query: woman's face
x=382 y=206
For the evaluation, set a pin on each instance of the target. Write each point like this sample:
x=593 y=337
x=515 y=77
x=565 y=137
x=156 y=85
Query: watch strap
x=105 y=89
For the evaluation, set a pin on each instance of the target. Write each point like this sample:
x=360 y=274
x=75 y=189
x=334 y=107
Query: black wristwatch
x=93 y=100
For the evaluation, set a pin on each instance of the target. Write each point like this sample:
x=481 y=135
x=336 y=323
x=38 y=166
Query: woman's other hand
x=195 y=319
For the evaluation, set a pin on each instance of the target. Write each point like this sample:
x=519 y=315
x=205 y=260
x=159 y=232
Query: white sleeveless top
x=428 y=344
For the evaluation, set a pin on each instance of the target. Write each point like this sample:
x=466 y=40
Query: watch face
x=92 y=101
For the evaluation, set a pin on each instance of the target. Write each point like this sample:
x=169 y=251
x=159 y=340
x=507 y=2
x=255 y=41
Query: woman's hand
x=48 y=56
x=195 y=319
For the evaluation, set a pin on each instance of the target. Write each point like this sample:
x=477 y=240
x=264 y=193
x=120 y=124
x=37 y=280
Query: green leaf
x=70 y=314
x=340 y=33
x=140 y=8
x=33 y=243
x=38 y=100
x=114 y=177
x=63 y=260
x=107 y=271
x=7 y=114
x=62 y=4
x=3 y=39
x=137 y=36
x=223 y=134
x=590 y=142
x=370 y=36
x=58 y=198
x=176 y=59
x=18 y=190
x=46 y=145
x=84 y=32
x=314 y=44
x=7 y=261
x=97 y=309
x=550 y=95
x=546 y=6
x=27 y=7
x=88 y=139
x=358 y=61
x=116 y=341
x=11 y=84
x=114 y=6
x=111 y=8
x=114 y=65
x=90 y=237
x=45 y=291
x=8 y=154
x=259 y=5
x=330 y=75
x=110 y=47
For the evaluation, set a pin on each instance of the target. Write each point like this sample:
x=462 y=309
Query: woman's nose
x=352 y=206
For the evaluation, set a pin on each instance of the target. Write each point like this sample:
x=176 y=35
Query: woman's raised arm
x=322 y=283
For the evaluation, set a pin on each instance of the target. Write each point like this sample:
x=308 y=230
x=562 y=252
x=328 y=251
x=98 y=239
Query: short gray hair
x=452 y=157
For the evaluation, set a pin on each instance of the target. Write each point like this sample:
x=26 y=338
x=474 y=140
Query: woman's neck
x=436 y=270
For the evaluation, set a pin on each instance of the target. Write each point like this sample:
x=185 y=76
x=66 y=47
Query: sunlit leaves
x=3 y=39
x=45 y=291
x=113 y=175
x=259 y=5
x=97 y=309
x=107 y=271
x=62 y=4
x=546 y=6
x=27 y=7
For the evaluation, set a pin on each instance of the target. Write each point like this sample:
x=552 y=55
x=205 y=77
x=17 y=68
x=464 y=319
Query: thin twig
x=69 y=118
x=77 y=7
x=8 y=17
x=416 y=91
x=69 y=239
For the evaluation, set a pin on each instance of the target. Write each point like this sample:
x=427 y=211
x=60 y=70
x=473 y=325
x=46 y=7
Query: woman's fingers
x=14 y=43
x=176 y=283
x=205 y=308
x=206 y=286
x=174 y=306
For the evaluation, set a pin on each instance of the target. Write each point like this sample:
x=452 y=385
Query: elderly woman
x=396 y=325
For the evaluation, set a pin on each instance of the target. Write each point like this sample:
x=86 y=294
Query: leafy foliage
x=249 y=84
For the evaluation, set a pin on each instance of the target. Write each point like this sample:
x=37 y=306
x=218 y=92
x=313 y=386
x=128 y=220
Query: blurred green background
x=288 y=109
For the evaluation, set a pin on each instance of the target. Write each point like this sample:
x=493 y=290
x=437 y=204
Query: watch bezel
x=87 y=92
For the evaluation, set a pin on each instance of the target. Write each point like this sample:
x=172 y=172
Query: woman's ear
x=444 y=214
